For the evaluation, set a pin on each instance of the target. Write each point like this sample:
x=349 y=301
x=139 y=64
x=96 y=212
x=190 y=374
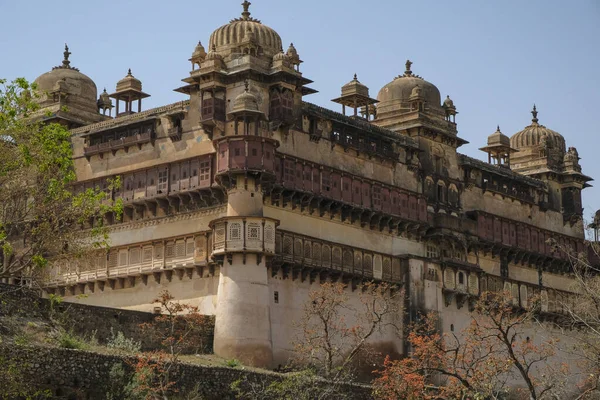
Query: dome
x=401 y=88
x=537 y=135
x=355 y=87
x=498 y=139
x=233 y=34
x=213 y=55
x=104 y=100
x=245 y=102
x=81 y=89
x=280 y=56
x=129 y=82
x=448 y=103
x=199 y=52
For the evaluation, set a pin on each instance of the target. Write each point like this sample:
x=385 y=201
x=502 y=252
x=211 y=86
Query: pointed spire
x=66 y=54
x=534 y=113
x=246 y=14
x=408 y=72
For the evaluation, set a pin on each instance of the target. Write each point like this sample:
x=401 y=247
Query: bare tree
x=333 y=332
x=493 y=353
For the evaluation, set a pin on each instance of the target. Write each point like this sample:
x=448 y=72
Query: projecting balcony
x=117 y=144
x=213 y=111
x=175 y=133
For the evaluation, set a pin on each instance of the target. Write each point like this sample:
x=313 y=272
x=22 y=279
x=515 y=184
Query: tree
x=333 y=332
x=41 y=218
x=480 y=361
x=584 y=313
x=180 y=328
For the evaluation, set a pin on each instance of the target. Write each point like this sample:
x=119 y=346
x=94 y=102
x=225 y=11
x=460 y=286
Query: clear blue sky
x=494 y=58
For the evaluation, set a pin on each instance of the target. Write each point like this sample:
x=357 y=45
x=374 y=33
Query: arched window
x=461 y=278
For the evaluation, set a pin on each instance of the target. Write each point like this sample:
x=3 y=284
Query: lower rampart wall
x=84 y=375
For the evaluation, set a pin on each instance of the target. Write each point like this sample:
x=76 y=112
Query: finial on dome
x=66 y=54
x=534 y=113
x=246 y=14
x=129 y=72
x=498 y=128
x=408 y=72
x=355 y=77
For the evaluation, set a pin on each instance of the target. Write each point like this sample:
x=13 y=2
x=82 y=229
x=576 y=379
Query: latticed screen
x=235 y=231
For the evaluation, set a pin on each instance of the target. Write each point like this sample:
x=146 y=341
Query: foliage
x=67 y=340
x=180 y=328
x=152 y=377
x=233 y=363
x=584 y=315
x=479 y=362
x=120 y=342
x=40 y=216
x=117 y=383
x=332 y=332
x=14 y=384
x=304 y=385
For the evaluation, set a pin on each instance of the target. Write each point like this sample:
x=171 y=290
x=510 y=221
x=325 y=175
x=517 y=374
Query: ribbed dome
x=233 y=34
x=402 y=87
x=535 y=133
x=81 y=89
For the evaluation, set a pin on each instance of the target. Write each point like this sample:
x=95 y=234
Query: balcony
x=213 y=109
x=175 y=133
x=307 y=257
x=241 y=235
x=113 y=145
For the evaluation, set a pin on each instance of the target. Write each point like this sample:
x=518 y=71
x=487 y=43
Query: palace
x=243 y=197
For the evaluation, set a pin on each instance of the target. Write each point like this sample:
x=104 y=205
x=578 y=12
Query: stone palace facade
x=243 y=197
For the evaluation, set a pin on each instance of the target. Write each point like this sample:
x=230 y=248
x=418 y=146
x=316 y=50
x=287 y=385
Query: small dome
x=401 y=88
x=291 y=51
x=281 y=56
x=537 y=135
x=229 y=36
x=355 y=87
x=448 y=103
x=199 y=52
x=245 y=102
x=213 y=55
x=81 y=89
x=498 y=139
x=129 y=82
x=104 y=101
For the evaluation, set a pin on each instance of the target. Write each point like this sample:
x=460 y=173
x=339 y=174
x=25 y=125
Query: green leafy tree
x=41 y=218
